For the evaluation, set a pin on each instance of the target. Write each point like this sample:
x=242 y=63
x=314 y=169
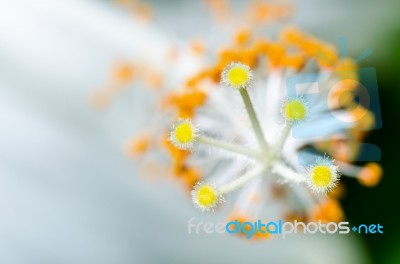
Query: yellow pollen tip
x=295 y=110
x=321 y=176
x=237 y=75
x=206 y=196
x=184 y=133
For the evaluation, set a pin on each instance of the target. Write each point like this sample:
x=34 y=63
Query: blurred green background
x=380 y=204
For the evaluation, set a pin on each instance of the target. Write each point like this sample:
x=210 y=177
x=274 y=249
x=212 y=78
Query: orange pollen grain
x=370 y=175
x=138 y=146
